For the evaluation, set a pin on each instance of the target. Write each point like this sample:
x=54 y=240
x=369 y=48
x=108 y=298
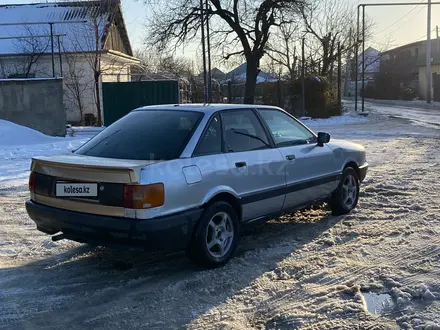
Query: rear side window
x=145 y=135
x=211 y=141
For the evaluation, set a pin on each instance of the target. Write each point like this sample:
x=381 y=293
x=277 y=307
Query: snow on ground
x=418 y=112
x=416 y=104
x=307 y=270
x=346 y=119
x=18 y=144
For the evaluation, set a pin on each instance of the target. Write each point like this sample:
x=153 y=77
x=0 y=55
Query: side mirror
x=323 y=138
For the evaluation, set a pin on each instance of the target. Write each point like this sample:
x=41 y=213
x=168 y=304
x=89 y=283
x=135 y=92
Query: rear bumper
x=363 y=171
x=165 y=233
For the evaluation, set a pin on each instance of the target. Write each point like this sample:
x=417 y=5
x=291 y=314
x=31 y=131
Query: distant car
x=189 y=177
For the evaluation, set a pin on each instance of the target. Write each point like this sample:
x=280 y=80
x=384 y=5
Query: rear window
x=145 y=135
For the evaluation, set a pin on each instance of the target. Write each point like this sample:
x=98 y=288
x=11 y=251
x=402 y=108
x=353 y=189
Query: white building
x=90 y=46
x=372 y=69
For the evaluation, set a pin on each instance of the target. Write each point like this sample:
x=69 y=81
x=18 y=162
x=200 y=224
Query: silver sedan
x=190 y=177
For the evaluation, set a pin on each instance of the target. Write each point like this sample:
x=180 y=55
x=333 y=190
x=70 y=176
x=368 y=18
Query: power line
x=401 y=18
x=397 y=45
x=384 y=44
x=412 y=16
x=426 y=35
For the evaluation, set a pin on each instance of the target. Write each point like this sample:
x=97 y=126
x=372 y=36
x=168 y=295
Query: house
x=399 y=68
x=85 y=42
x=404 y=67
x=372 y=67
x=218 y=74
x=435 y=78
x=372 y=63
x=238 y=75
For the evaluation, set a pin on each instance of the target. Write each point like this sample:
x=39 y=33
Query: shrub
x=321 y=98
x=408 y=94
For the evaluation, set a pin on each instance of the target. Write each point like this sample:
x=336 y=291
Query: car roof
x=206 y=108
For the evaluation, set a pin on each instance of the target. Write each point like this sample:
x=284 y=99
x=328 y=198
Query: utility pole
x=428 y=56
x=59 y=54
x=51 y=47
x=202 y=25
x=208 y=44
x=438 y=44
x=356 y=63
x=303 y=84
x=363 y=58
x=348 y=66
x=339 y=75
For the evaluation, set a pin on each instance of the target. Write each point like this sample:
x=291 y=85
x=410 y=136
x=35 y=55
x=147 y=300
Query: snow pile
x=346 y=119
x=18 y=144
x=13 y=134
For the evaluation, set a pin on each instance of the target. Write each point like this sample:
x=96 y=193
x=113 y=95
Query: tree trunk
x=251 y=80
x=98 y=99
x=81 y=110
x=28 y=69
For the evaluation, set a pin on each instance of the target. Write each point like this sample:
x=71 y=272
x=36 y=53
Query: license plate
x=76 y=189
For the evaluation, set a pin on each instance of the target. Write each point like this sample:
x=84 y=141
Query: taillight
x=32 y=182
x=144 y=196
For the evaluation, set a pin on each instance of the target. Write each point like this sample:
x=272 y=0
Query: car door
x=255 y=167
x=311 y=171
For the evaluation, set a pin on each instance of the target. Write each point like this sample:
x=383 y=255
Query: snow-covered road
x=416 y=111
x=307 y=270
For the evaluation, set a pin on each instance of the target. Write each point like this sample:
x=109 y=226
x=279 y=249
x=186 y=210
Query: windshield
x=145 y=135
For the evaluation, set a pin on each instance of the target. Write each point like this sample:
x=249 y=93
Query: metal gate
x=119 y=98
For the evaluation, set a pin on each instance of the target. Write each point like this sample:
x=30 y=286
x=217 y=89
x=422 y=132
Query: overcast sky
x=394 y=26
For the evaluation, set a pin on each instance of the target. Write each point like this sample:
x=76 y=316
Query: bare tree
x=32 y=45
x=239 y=27
x=284 y=48
x=155 y=63
x=329 y=22
x=76 y=82
x=88 y=40
x=149 y=59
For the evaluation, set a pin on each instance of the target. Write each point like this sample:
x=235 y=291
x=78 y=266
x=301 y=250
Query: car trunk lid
x=106 y=177
x=87 y=168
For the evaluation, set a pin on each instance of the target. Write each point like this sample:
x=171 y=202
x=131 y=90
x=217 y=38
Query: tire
x=340 y=202
x=218 y=227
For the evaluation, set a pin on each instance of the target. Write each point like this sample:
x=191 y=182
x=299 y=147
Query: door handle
x=290 y=157
x=240 y=164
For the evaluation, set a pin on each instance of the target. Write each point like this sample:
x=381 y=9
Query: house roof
x=410 y=45
x=79 y=21
x=239 y=74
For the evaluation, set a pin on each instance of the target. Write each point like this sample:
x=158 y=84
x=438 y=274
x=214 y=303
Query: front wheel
x=216 y=236
x=346 y=196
